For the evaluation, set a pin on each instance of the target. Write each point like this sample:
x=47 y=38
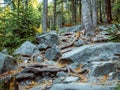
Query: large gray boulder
x=27 y=48
x=70 y=29
x=81 y=86
x=103 y=69
x=49 y=39
x=53 y=53
x=95 y=52
x=7 y=63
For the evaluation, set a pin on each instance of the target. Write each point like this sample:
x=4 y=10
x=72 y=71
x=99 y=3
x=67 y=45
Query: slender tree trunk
x=54 y=15
x=86 y=18
x=94 y=13
x=80 y=11
x=73 y=11
x=44 y=18
x=108 y=11
x=100 y=10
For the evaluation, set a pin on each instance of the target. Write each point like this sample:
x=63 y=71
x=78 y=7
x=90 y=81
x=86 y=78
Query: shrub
x=16 y=28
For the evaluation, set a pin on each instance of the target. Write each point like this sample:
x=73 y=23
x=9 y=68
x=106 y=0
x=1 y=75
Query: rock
x=58 y=80
x=118 y=65
x=38 y=59
x=102 y=28
x=105 y=68
x=100 y=38
x=37 y=87
x=42 y=46
x=61 y=74
x=7 y=62
x=104 y=33
x=22 y=76
x=71 y=79
x=49 y=39
x=92 y=79
x=90 y=53
x=70 y=29
x=79 y=43
x=50 y=62
x=114 y=58
x=116 y=75
x=53 y=53
x=5 y=51
x=81 y=86
x=27 y=48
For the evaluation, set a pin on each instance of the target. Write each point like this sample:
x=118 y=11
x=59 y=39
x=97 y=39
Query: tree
x=73 y=2
x=44 y=18
x=54 y=15
x=86 y=18
x=108 y=11
x=94 y=13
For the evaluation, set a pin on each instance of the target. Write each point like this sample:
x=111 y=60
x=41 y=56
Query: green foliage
x=114 y=32
x=117 y=88
x=2 y=86
x=116 y=12
x=16 y=26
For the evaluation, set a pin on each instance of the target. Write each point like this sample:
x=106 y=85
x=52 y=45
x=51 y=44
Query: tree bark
x=54 y=15
x=73 y=11
x=44 y=18
x=86 y=18
x=100 y=7
x=108 y=11
x=94 y=13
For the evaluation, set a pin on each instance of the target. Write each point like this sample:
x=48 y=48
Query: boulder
x=58 y=80
x=100 y=38
x=37 y=87
x=42 y=46
x=53 y=53
x=49 y=39
x=79 y=43
x=61 y=74
x=27 y=48
x=116 y=75
x=104 y=33
x=71 y=79
x=102 y=28
x=38 y=59
x=4 y=51
x=22 y=76
x=7 y=62
x=70 y=29
x=90 y=53
x=103 y=69
x=81 y=86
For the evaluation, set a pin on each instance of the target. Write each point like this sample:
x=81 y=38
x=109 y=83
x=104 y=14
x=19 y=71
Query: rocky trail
x=66 y=61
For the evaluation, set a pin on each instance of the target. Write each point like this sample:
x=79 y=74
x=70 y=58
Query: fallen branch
x=39 y=70
x=68 y=45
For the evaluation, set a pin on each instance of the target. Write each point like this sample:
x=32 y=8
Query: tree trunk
x=100 y=7
x=80 y=11
x=54 y=15
x=44 y=18
x=73 y=11
x=108 y=11
x=86 y=18
x=94 y=13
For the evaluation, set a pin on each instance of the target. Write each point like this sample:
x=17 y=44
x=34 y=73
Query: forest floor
x=82 y=64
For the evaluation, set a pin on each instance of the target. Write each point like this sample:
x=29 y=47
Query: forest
x=59 y=44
